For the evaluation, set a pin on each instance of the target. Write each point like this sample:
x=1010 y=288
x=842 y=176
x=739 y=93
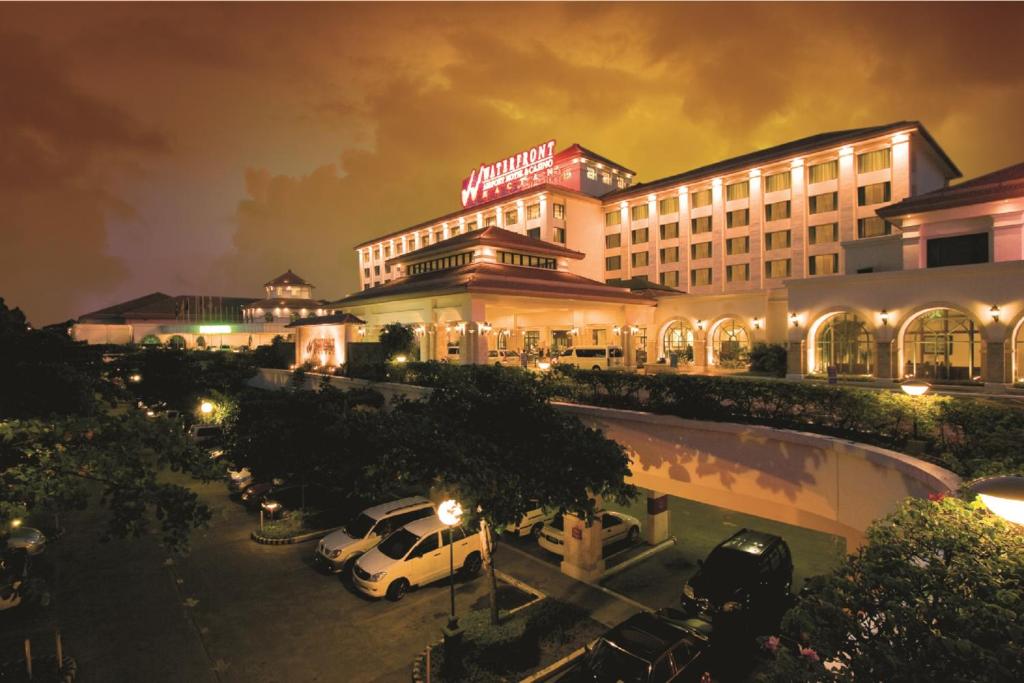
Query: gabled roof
x=333 y=319
x=499 y=278
x=491 y=236
x=782 y=152
x=1005 y=183
x=287 y=278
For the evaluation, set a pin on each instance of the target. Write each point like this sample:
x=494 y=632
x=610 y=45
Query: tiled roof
x=1002 y=184
x=499 y=278
x=160 y=306
x=333 y=319
x=492 y=236
x=780 y=153
x=287 y=278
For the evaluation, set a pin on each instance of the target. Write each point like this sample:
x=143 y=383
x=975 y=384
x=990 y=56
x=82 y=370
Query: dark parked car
x=750 y=571
x=327 y=507
x=647 y=648
x=254 y=494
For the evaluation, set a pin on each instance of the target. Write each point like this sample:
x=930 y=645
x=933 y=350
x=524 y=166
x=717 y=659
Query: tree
x=396 y=339
x=770 y=358
x=935 y=594
x=494 y=443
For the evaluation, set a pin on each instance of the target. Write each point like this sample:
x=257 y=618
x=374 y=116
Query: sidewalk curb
x=300 y=538
x=554 y=667
x=637 y=559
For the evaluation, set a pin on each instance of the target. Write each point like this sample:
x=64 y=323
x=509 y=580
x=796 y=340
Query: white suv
x=416 y=555
x=592 y=357
x=339 y=548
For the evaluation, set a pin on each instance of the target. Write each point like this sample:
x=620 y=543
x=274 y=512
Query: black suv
x=647 y=648
x=750 y=571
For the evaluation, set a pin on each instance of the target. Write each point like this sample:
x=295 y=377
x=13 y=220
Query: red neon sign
x=521 y=170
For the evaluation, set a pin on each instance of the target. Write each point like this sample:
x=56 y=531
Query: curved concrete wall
x=818 y=482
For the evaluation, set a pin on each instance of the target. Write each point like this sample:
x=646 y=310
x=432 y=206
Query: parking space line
x=664 y=545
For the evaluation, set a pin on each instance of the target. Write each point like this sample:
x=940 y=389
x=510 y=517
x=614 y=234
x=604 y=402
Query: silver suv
x=338 y=549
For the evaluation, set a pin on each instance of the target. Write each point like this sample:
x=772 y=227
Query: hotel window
x=387 y=251
x=534 y=233
x=776 y=211
x=533 y=211
x=821 y=203
x=670 y=255
x=669 y=231
x=777 y=269
x=471 y=226
x=606 y=178
x=490 y=221
x=699 y=225
x=620 y=183
x=559 y=235
x=612 y=241
x=668 y=205
x=511 y=216
x=613 y=263
x=737 y=218
x=591 y=173
x=737 y=272
x=823 y=234
x=612 y=218
x=670 y=278
x=439 y=235
x=872 y=227
x=777 y=181
x=366 y=272
x=379 y=253
x=828 y=170
x=737 y=245
x=823 y=264
x=376 y=270
x=514 y=259
x=874 y=161
x=700 y=250
x=639 y=212
x=441 y=263
x=737 y=190
x=700 y=198
x=387 y=267
x=639 y=236
x=959 y=250
x=455 y=231
x=780 y=239
x=640 y=259
x=700 y=276
x=558 y=211
x=874 y=194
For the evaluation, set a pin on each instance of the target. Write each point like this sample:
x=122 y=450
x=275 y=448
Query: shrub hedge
x=971 y=436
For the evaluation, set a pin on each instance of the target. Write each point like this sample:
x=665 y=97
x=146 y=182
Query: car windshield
x=398 y=544
x=360 y=526
x=609 y=664
x=558 y=522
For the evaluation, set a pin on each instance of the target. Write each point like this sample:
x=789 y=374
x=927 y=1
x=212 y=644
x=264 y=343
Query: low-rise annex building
x=203 y=321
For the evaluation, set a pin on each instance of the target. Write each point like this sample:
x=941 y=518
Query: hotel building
x=849 y=247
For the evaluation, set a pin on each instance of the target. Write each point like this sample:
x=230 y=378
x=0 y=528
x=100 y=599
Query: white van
x=339 y=548
x=503 y=357
x=592 y=357
x=416 y=555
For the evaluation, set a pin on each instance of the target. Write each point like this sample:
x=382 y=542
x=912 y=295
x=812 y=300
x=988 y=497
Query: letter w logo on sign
x=516 y=168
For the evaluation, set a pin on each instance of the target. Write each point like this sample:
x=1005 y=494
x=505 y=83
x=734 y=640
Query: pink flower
x=809 y=653
x=936 y=497
x=772 y=644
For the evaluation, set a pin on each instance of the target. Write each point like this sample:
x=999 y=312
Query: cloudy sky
x=206 y=148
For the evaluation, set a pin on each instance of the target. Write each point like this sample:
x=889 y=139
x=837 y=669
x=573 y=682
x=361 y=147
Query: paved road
x=232 y=610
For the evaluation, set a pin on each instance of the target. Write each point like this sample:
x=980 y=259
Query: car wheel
x=537 y=528
x=397 y=590
x=596 y=367
x=634 y=533
x=471 y=567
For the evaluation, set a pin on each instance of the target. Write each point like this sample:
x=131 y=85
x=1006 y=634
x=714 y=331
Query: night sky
x=206 y=148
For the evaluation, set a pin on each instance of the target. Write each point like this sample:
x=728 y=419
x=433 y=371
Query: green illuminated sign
x=215 y=329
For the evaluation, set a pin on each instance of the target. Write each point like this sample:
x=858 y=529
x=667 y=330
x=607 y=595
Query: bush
x=769 y=358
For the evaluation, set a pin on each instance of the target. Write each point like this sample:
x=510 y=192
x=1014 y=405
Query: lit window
x=511 y=217
x=670 y=255
x=737 y=190
x=612 y=218
x=529 y=260
x=640 y=259
x=874 y=161
x=818 y=173
x=777 y=181
x=874 y=194
x=669 y=231
x=620 y=182
x=613 y=263
x=534 y=233
x=612 y=241
x=737 y=245
x=668 y=205
x=533 y=211
x=606 y=178
x=558 y=211
x=669 y=278
x=823 y=234
x=737 y=218
x=777 y=211
x=872 y=227
x=823 y=264
x=778 y=268
x=699 y=225
x=639 y=236
x=700 y=277
x=700 y=250
x=737 y=272
x=639 y=212
x=820 y=203
x=700 y=198
x=780 y=239
x=559 y=235
x=591 y=173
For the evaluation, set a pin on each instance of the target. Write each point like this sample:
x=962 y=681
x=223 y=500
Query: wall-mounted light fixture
x=700 y=324
x=361 y=331
x=574 y=332
x=616 y=329
x=994 y=312
x=419 y=330
x=757 y=323
x=633 y=329
x=793 y=318
x=884 y=315
x=484 y=327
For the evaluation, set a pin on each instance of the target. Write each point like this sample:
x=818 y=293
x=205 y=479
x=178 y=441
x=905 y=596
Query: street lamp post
x=450 y=513
x=1003 y=495
x=915 y=387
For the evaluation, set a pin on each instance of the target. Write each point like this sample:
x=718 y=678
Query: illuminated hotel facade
x=849 y=247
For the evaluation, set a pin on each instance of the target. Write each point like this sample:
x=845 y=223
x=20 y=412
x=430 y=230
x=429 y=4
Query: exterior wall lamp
x=484 y=327
x=633 y=329
x=574 y=332
x=757 y=323
x=994 y=312
x=419 y=330
x=884 y=315
x=361 y=331
x=793 y=318
x=616 y=329
x=700 y=324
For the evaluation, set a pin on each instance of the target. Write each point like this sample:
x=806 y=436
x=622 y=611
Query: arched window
x=150 y=340
x=678 y=340
x=844 y=342
x=730 y=344
x=942 y=344
x=176 y=342
x=1018 y=348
